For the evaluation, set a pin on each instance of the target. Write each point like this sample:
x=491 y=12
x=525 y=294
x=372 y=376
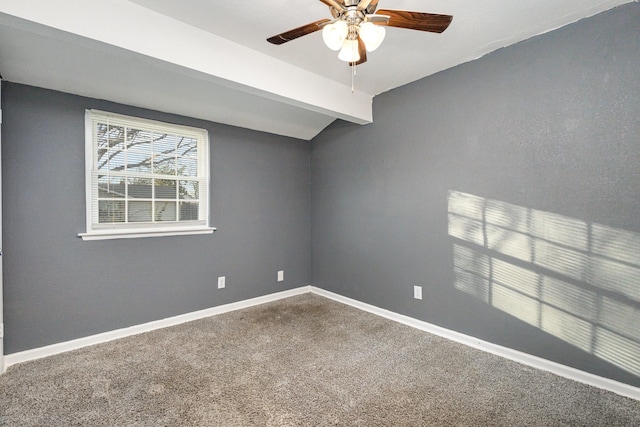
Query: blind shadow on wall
x=577 y=281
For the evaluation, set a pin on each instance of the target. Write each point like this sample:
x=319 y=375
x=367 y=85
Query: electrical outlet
x=221 y=281
x=417 y=292
x=280 y=275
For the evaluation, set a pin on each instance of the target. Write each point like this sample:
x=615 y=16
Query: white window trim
x=127 y=231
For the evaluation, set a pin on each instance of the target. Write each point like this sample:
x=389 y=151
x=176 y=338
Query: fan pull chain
x=353 y=76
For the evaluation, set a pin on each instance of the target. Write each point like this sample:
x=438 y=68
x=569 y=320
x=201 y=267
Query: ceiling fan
x=356 y=27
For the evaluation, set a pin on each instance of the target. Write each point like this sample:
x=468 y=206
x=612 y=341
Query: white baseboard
x=517 y=356
x=50 y=350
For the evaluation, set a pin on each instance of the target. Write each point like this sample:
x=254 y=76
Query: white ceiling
x=210 y=59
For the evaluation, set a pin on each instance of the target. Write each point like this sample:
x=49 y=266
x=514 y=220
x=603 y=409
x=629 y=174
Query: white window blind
x=145 y=177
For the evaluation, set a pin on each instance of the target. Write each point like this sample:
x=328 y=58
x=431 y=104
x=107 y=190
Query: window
x=144 y=178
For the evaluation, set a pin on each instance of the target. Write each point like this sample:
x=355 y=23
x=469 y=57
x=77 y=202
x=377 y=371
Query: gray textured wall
x=544 y=138
x=58 y=287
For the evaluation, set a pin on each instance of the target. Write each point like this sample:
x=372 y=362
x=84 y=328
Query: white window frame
x=101 y=231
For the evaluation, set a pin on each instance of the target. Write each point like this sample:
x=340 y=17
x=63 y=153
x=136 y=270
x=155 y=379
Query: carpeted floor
x=302 y=361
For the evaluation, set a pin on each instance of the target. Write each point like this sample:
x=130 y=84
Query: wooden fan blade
x=372 y=6
x=362 y=50
x=334 y=4
x=364 y=4
x=431 y=22
x=297 y=32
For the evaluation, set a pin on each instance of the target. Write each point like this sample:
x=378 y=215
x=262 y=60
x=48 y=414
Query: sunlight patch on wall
x=560 y=259
x=615 y=276
x=579 y=282
x=472 y=272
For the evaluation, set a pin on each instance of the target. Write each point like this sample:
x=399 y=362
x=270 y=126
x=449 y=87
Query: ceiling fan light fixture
x=335 y=34
x=349 y=51
x=372 y=35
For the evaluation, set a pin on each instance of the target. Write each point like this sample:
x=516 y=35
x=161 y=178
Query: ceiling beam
x=126 y=25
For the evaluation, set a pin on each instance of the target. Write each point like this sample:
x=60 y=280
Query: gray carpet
x=302 y=361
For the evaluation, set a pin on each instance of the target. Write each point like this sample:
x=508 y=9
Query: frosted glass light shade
x=349 y=51
x=334 y=34
x=372 y=35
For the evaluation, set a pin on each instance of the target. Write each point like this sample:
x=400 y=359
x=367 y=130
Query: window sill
x=135 y=234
